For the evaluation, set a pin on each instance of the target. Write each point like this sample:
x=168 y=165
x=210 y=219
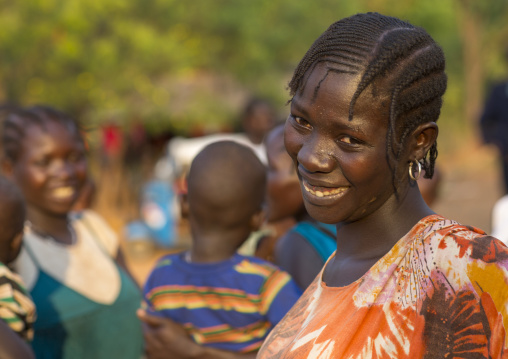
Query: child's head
x=400 y=64
x=283 y=187
x=12 y=220
x=226 y=189
x=44 y=155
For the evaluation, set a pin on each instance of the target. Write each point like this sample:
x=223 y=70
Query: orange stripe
x=227 y=333
x=273 y=286
x=196 y=289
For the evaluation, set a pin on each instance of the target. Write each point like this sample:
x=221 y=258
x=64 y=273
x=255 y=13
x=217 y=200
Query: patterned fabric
x=441 y=292
x=16 y=306
x=231 y=305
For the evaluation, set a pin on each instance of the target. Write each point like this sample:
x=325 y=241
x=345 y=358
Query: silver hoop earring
x=411 y=170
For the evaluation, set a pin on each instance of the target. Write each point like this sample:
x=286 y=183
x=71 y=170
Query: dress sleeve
x=279 y=293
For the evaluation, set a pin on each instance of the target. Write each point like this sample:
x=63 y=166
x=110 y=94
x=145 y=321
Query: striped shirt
x=230 y=305
x=16 y=306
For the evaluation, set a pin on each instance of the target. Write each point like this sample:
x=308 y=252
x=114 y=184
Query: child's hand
x=164 y=338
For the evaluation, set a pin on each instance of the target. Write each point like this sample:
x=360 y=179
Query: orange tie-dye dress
x=441 y=292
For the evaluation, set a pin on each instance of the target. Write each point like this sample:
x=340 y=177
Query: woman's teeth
x=63 y=192
x=324 y=192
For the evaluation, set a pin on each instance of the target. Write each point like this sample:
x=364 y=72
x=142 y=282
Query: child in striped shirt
x=224 y=301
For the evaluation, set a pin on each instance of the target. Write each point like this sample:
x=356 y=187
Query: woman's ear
x=257 y=220
x=423 y=137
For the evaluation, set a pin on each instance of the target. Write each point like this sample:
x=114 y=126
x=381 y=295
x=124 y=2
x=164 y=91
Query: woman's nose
x=63 y=169
x=315 y=155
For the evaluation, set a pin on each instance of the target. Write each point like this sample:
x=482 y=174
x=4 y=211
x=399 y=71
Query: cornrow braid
x=16 y=122
x=383 y=47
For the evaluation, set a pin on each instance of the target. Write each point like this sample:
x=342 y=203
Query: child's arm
x=12 y=346
x=166 y=339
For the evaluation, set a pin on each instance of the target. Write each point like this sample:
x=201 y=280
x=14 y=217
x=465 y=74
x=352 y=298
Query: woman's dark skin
x=11 y=344
x=333 y=153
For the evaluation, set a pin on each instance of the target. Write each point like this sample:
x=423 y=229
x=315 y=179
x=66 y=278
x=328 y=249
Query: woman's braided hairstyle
x=16 y=122
x=378 y=46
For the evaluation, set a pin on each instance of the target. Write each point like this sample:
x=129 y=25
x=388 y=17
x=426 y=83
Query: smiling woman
x=85 y=301
x=404 y=281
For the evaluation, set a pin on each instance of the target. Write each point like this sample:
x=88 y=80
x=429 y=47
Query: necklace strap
x=47 y=236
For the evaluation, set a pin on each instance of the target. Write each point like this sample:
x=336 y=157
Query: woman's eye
x=349 y=140
x=75 y=157
x=301 y=121
x=42 y=162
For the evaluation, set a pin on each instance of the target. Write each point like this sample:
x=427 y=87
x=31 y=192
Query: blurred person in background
x=257 y=120
x=494 y=122
x=159 y=215
x=71 y=262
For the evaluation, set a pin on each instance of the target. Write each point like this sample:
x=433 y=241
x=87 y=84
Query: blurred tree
x=181 y=63
x=480 y=21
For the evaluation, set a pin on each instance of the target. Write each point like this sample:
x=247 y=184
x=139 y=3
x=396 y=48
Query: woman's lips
x=323 y=191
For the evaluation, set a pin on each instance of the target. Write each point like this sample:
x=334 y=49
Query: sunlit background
x=186 y=68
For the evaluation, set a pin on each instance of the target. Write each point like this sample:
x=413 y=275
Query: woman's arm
x=166 y=339
x=296 y=256
x=12 y=346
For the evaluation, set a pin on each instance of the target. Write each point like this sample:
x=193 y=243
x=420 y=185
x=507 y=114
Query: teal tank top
x=71 y=326
x=321 y=236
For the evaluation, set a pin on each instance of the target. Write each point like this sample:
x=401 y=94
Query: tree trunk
x=471 y=31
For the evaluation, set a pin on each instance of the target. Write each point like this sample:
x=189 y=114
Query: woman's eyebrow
x=297 y=107
x=354 y=128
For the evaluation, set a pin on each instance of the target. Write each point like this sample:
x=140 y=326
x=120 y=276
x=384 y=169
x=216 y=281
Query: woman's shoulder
x=92 y=225
x=90 y=216
x=466 y=241
x=458 y=251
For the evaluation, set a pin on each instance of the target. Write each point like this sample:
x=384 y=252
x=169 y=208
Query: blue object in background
x=158 y=212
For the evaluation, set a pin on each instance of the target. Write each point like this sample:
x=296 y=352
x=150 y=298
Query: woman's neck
x=55 y=226
x=375 y=235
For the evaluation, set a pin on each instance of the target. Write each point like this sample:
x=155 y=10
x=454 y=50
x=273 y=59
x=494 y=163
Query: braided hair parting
x=378 y=46
x=15 y=123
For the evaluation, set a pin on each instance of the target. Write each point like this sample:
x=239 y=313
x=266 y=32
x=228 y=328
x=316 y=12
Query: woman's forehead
x=326 y=88
x=50 y=128
x=337 y=87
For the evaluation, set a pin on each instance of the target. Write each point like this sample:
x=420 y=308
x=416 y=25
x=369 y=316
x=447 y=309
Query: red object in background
x=112 y=140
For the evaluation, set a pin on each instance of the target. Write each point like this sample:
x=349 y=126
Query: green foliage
x=179 y=63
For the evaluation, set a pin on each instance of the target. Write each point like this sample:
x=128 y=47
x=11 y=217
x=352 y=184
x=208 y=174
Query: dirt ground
x=469 y=188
